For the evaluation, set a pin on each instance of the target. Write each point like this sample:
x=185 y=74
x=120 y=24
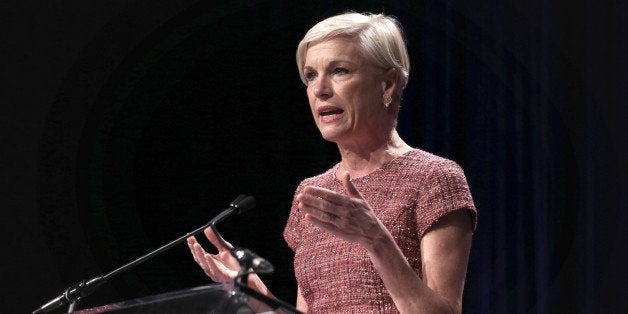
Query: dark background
x=125 y=124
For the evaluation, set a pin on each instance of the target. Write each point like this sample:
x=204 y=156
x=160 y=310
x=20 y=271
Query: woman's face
x=345 y=92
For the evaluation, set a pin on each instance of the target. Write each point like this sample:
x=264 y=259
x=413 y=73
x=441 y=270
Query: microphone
x=254 y=261
x=75 y=292
x=241 y=204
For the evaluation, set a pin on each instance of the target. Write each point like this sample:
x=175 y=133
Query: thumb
x=213 y=239
x=349 y=187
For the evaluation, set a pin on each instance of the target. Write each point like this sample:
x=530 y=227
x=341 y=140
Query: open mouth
x=331 y=112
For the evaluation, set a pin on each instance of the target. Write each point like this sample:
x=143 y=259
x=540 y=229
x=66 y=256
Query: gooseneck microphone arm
x=75 y=292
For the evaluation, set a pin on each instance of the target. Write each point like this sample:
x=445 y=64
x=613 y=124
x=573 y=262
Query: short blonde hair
x=380 y=37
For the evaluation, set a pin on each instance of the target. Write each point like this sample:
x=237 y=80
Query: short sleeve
x=444 y=190
x=290 y=233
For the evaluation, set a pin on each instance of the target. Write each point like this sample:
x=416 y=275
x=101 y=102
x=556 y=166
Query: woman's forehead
x=335 y=49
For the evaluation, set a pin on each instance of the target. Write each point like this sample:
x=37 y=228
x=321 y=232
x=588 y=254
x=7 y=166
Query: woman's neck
x=360 y=159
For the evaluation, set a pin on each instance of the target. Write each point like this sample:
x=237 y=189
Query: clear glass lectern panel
x=210 y=299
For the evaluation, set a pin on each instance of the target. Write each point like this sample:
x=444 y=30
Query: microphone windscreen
x=245 y=204
x=237 y=200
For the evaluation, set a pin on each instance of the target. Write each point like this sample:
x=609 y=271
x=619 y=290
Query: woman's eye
x=310 y=76
x=340 y=71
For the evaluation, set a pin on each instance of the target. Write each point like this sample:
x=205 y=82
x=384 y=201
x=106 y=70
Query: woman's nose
x=321 y=88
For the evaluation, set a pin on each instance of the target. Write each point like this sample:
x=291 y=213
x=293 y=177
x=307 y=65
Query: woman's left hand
x=347 y=216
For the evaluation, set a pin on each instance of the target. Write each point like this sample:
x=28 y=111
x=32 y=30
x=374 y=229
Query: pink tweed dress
x=408 y=194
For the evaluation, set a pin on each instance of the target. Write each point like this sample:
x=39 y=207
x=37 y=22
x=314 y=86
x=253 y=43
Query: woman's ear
x=389 y=81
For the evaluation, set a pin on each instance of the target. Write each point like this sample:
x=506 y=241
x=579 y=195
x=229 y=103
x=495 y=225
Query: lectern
x=209 y=299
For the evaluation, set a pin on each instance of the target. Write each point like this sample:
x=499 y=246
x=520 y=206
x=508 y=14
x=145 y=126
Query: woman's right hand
x=221 y=267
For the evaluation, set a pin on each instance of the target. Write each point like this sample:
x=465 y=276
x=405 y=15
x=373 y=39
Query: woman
x=388 y=229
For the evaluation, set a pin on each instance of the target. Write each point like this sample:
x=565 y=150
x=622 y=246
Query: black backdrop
x=127 y=124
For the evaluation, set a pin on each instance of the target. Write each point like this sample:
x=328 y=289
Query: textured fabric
x=408 y=194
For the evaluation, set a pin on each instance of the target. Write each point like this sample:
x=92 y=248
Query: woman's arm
x=444 y=254
x=301 y=305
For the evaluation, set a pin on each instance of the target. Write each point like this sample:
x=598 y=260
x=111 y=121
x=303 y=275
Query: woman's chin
x=331 y=136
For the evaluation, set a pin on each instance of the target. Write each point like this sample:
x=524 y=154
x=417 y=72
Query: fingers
x=315 y=192
x=197 y=250
x=333 y=197
x=326 y=204
x=320 y=215
x=330 y=209
x=213 y=239
x=320 y=210
x=205 y=261
x=211 y=236
x=349 y=187
x=209 y=263
x=191 y=240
